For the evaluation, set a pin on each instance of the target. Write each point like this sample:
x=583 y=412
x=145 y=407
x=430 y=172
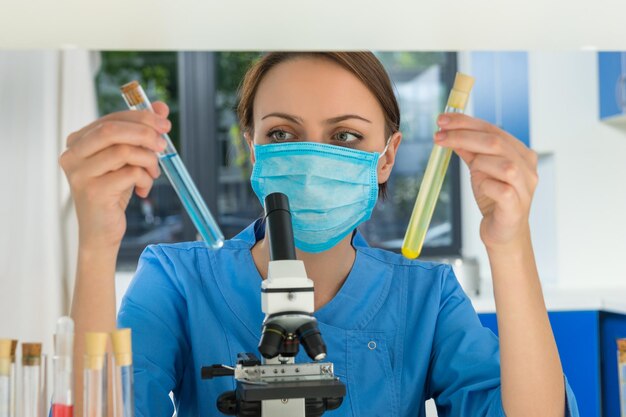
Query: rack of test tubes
x=25 y=381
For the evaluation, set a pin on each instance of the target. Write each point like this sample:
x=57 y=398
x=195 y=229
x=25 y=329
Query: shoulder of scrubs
x=463 y=376
x=154 y=308
x=167 y=308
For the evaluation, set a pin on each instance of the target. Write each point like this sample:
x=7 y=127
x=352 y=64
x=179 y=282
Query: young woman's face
x=317 y=100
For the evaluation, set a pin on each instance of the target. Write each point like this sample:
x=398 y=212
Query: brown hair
x=364 y=65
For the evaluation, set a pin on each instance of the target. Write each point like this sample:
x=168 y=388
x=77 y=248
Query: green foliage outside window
x=155 y=71
x=231 y=68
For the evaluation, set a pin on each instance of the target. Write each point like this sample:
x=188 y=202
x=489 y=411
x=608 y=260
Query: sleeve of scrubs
x=153 y=308
x=464 y=373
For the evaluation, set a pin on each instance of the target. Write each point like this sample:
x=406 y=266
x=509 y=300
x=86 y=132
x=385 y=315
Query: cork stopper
x=621 y=348
x=31 y=354
x=13 y=349
x=463 y=82
x=122 y=347
x=459 y=94
x=5 y=348
x=133 y=93
x=95 y=348
x=5 y=356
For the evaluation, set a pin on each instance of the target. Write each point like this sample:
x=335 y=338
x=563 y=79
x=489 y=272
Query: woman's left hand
x=503 y=173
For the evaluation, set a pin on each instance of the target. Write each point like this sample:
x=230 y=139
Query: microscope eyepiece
x=279 y=229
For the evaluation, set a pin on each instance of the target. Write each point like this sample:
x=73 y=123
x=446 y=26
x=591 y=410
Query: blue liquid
x=128 y=400
x=200 y=215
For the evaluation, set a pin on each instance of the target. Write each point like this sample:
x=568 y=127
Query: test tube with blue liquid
x=123 y=391
x=173 y=166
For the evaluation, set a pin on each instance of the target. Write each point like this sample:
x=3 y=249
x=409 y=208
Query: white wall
x=323 y=24
x=585 y=161
x=31 y=293
x=44 y=95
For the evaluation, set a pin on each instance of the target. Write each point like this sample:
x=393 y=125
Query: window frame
x=199 y=145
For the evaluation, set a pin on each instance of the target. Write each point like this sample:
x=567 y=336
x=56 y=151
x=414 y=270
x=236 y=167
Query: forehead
x=315 y=88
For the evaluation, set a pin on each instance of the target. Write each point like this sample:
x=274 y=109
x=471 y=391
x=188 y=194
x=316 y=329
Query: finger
x=466 y=156
x=468 y=143
x=503 y=194
x=145 y=117
x=526 y=160
x=474 y=141
x=126 y=178
x=117 y=133
x=463 y=121
x=504 y=170
x=161 y=108
x=453 y=121
x=118 y=156
x=143 y=192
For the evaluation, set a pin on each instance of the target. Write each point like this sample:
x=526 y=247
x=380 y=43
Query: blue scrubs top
x=398 y=332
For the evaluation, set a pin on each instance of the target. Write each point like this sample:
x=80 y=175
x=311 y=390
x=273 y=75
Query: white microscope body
x=279 y=387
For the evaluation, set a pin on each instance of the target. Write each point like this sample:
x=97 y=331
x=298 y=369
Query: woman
x=399 y=332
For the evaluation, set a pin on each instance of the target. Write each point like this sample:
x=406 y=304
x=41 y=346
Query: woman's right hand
x=107 y=159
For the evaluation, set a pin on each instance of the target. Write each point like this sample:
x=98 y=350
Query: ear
x=389 y=158
x=250 y=142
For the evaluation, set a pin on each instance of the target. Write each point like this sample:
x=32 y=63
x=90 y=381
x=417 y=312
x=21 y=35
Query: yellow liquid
x=426 y=201
x=433 y=177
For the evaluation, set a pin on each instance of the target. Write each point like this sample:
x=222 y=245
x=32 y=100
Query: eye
x=347 y=137
x=278 y=135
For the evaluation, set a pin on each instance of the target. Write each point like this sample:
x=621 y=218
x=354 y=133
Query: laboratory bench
x=586 y=324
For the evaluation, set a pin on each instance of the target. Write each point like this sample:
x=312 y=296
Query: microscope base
x=284 y=408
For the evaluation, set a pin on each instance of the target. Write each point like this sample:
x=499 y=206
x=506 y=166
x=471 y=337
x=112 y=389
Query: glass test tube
x=621 y=374
x=173 y=166
x=62 y=394
x=434 y=175
x=5 y=377
x=95 y=383
x=32 y=380
x=13 y=379
x=123 y=393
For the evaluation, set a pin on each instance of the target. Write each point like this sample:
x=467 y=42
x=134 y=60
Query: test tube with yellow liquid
x=434 y=175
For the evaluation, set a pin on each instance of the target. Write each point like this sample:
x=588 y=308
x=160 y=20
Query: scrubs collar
x=355 y=304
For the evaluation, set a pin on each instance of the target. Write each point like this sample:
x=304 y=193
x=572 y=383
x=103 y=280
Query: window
x=157 y=218
x=237 y=204
x=422 y=81
x=201 y=88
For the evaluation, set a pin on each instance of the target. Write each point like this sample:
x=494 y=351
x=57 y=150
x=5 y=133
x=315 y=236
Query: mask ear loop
x=386 y=146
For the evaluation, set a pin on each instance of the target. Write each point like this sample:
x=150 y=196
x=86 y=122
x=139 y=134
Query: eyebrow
x=298 y=120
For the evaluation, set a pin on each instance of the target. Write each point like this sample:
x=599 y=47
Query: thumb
x=161 y=108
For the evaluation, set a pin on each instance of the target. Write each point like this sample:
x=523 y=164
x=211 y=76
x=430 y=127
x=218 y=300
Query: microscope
x=279 y=387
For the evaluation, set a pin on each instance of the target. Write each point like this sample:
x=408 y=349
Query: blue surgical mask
x=331 y=189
